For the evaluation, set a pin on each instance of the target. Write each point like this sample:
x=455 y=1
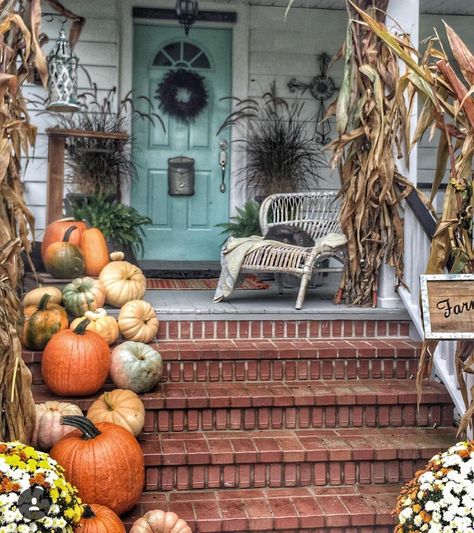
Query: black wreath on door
x=182 y=94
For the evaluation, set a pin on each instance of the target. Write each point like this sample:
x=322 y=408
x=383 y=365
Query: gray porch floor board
x=268 y=304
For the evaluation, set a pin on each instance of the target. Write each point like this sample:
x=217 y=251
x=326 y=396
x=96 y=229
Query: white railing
x=417 y=246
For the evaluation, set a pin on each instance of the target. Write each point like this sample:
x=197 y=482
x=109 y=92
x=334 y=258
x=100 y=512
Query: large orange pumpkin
x=100 y=519
x=160 y=522
x=104 y=461
x=76 y=362
x=42 y=322
x=63 y=259
x=95 y=251
x=56 y=230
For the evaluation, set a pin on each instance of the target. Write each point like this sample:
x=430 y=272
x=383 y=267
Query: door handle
x=223 y=145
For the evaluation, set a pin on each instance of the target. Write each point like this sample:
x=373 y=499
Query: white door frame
x=240 y=66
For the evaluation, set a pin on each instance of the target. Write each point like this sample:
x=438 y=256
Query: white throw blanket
x=235 y=250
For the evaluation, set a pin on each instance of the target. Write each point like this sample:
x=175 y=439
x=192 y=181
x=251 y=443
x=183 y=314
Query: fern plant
x=245 y=223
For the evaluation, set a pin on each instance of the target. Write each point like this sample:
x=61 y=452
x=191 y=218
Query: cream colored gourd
x=117 y=256
x=122 y=407
x=122 y=281
x=48 y=428
x=160 y=522
x=100 y=322
x=34 y=296
x=138 y=322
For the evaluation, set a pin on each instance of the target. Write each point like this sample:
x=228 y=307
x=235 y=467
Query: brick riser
x=279 y=329
x=273 y=360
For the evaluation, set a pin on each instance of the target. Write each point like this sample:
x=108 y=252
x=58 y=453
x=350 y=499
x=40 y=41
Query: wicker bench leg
x=279 y=280
x=302 y=292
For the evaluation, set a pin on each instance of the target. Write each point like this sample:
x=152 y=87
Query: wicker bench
x=315 y=212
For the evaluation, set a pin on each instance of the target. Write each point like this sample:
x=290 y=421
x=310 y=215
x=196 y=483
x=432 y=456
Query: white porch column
x=406 y=15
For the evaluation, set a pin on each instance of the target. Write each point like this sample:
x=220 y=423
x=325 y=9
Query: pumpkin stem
x=43 y=302
x=80 y=329
x=83 y=424
x=88 y=512
x=68 y=232
x=107 y=401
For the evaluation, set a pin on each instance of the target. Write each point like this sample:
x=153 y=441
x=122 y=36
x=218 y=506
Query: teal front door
x=183 y=227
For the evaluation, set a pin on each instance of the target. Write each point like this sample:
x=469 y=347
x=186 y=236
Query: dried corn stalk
x=447 y=105
x=372 y=123
x=19 y=54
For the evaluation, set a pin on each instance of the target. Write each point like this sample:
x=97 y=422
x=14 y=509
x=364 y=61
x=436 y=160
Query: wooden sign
x=448 y=305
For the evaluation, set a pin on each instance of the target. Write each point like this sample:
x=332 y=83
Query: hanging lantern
x=62 y=82
x=187 y=11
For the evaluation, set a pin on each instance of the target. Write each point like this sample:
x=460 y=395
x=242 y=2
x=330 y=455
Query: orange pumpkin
x=76 y=362
x=100 y=519
x=94 y=248
x=104 y=461
x=160 y=522
x=42 y=322
x=64 y=259
x=56 y=230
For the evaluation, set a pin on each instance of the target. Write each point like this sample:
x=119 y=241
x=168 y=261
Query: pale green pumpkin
x=83 y=294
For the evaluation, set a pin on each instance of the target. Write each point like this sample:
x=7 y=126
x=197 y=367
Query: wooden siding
x=98 y=53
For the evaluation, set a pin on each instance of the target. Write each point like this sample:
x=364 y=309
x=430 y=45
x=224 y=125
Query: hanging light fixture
x=62 y=81
x=187 y=12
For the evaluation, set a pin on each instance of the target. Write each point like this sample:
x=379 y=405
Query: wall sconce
x=186 y=12
x=62 y=81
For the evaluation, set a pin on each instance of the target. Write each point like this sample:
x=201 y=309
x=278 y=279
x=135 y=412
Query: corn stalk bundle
x=20 y=53
x=447 y=105
x=373 y=129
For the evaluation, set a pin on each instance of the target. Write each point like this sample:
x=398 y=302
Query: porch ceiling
x=439 y=7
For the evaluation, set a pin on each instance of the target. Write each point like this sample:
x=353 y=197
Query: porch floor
x=186 y=304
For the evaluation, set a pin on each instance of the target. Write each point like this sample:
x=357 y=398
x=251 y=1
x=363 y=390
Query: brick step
x=222 y=460
x=286 y=359
x=311 y=404
x=363 y=509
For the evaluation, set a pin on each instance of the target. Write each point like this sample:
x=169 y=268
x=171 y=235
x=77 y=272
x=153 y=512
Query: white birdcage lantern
x=62 y=81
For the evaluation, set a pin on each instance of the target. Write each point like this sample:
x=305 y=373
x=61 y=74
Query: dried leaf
x=461 y=53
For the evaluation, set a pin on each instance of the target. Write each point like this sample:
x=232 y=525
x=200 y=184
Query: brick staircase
x=268 y=425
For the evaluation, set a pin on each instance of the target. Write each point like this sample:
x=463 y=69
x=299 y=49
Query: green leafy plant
x=121 y=224
x=245 y=223
x=280 y=152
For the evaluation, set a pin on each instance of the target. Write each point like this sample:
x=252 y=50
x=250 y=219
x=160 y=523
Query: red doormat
x=249 y=283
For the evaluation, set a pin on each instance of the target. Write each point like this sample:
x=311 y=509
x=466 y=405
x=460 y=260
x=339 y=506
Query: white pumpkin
x=135 y=366
x=48 y=428
x=138 y=322
x=122 y=282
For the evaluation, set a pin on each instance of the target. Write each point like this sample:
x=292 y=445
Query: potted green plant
x=245 y=223
x=121 y=225
x=281 y=154
x=100 y=165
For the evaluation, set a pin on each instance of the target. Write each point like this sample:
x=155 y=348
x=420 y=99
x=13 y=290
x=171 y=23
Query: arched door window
x=180 y=54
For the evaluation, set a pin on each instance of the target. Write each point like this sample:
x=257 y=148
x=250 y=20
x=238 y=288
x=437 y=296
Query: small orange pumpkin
x=42 y=322
x=100 y=519
x=55 y=233
x=104 y=461
x=94 y=248
x=160 y=522
x=76 y=362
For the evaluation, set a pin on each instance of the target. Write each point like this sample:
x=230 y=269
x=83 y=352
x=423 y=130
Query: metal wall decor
x=187 y=12
x=62 y=80
x=322 y=88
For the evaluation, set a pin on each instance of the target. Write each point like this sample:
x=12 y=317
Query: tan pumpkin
x=100 y=322
x=160 y=522
x=117 y=256
x=138 y=322
x=34 y=296
x=122 y=282
x=48 y=428
x=122 y=407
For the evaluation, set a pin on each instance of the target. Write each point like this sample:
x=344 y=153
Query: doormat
x=248 y=283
